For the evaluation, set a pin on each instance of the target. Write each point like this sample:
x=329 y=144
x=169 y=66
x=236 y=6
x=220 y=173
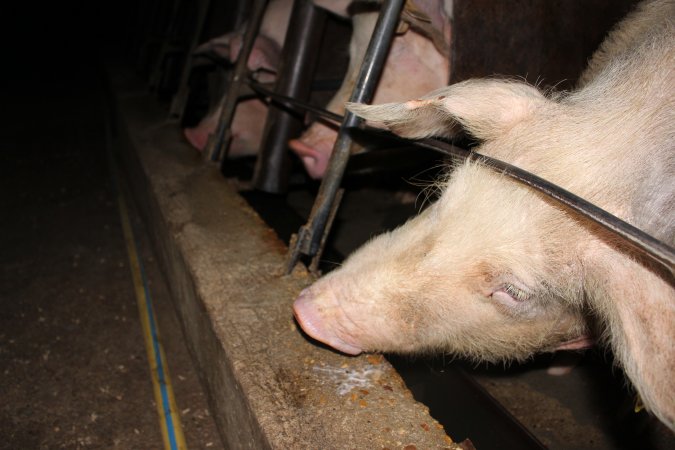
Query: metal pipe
x=310 y=235
x=216 y=146
x=293 y=103
x=298 y=61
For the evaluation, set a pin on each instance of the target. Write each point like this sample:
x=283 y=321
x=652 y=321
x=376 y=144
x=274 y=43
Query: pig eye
x=517 y=294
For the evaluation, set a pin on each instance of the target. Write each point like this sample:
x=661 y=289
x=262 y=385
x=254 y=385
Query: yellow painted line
x=172 y=432
x=169 y=418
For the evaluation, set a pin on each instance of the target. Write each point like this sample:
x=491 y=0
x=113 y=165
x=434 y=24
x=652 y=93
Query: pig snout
x=247 y=129
x=196 y=137
x=325 y=321
x=314 y=149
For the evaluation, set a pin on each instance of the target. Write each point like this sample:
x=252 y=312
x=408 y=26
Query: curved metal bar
x=656 y=250
x=292 y=102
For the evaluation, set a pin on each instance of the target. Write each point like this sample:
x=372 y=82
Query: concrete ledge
x=268 y=386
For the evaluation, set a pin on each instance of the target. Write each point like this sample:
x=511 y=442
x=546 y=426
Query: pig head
x=496 y=271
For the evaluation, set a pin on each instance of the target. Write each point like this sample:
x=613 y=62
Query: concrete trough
x=268 y=385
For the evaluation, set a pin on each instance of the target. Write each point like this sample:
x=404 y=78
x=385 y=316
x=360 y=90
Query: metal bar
x=310 y=235
x=647 y=245
x=216 y=146
x=293 y=103
x=298 y=61
x=314 y=267
x=179 y=100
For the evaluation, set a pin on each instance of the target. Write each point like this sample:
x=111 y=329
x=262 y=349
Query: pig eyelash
x=517 y=293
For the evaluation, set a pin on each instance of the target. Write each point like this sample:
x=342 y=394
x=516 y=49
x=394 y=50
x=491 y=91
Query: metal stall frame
x=311 y=237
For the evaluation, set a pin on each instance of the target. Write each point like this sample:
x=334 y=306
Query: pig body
x=417 y=54
x=496 y=271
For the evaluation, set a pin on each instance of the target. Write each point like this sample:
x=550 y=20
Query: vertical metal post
x=180 y=98
x=309 y=237
x=217 y=143
x=298 y=61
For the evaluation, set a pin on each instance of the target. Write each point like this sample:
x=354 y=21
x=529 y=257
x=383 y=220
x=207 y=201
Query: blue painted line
x=158 y=359
x=172 y=435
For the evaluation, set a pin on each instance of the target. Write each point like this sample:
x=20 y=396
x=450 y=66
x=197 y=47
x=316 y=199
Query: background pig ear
x=638 y=307
x=484 y=108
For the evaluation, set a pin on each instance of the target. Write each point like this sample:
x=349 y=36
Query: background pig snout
x=317 y=320
x=314 y=148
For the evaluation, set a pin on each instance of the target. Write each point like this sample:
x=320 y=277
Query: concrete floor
x=73 y=365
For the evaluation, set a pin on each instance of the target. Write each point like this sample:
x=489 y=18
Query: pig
x=418 y=62
x=496 y=271
x=423 y=46
x=249 y=118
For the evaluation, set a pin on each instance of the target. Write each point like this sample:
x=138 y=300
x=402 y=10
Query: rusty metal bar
x=216 y=146
x=310 y=235
x=298 y=61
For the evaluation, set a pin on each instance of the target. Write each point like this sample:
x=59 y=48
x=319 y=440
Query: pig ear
x=638 y=307
x=484 y=108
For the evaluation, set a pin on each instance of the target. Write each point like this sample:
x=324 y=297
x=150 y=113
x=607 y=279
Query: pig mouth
x=309 y=319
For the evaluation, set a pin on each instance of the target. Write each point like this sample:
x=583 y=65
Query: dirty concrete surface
x=73 y=367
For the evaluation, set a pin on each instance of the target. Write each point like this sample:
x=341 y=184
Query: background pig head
x=496 y=271
x=417 y=63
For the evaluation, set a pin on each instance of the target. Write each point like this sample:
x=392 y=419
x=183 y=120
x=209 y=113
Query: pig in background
x=249 y=118
x=496 y=271
x=418 y=62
